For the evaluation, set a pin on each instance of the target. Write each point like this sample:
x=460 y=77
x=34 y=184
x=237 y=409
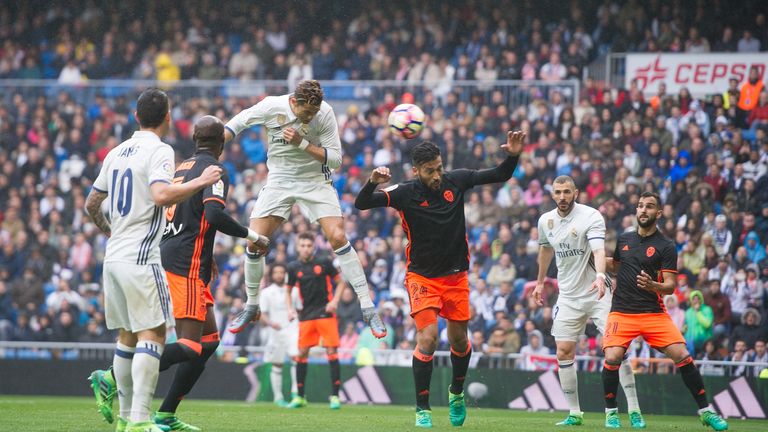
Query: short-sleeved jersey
x=655 y=254
x=285 y=160
x=126 y=175
x=187 y=245
x=573 y=239
x=272 y=302
x=434 y=223
x=315 y=282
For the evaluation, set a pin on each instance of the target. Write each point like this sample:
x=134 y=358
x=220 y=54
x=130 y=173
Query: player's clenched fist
x=211 y=175
x=292 y=136
x=380 y=175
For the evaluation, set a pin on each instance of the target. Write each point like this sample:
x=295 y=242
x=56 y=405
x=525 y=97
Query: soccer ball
x=406 y=121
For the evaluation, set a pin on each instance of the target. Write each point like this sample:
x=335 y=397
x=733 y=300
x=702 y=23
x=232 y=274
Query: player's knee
x=427 y=344
x=191 y=348
x=565 y=353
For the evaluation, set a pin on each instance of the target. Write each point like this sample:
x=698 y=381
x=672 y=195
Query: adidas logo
x=626 y=247
x=545 y=394
x=738 y=400
x=364 y=388
x=424 y=204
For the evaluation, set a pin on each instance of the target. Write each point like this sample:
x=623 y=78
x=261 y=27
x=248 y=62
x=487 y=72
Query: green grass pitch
x=33 y=413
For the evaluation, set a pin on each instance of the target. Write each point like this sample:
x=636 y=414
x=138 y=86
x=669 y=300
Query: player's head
x=209 y=135
x=427 y=164
x=153 y=111
x=306 y=245
x=306 y=100
x=648 y=209
x=564 y=193
x=277 y=274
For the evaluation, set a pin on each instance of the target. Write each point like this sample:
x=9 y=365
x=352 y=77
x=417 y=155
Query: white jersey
x=573 y=238
x=126 y=176
x=272 y=302
x=285 y=160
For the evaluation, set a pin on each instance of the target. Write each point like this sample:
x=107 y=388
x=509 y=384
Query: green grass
x=25 y=413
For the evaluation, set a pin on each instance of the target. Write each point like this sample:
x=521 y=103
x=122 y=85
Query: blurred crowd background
x=707 y=156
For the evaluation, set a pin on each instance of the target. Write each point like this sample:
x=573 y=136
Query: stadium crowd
x=707 y=157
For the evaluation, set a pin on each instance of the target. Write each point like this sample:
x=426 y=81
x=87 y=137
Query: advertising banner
x=702 y=74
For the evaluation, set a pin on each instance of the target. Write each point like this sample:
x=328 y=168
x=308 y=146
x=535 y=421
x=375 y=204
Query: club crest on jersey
x=551 y=223
x=281 y=119
x=304 y=129
x=448 y=195
x=650 y=251
x=317 y=269
x=574 y=234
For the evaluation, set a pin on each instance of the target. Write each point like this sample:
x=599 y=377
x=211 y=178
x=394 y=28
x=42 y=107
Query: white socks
x=570 y=385
x=121 y=368
x=276 y=378
x=146 y=368
x=354 y=274
x=254 y=270
x=627 y=380
x=294 y=385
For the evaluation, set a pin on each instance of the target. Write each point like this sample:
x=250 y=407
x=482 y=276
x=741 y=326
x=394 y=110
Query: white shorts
x=136 y=297
x=281 y=343
x=571 y=315
x=316 y=200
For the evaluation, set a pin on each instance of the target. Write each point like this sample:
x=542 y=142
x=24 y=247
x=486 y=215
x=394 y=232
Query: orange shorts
x=312 y=331
x=656 y=328
x=190 y=297
x=448 y=295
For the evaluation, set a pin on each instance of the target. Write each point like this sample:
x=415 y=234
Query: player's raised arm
x=369 y=197
x=513 y=147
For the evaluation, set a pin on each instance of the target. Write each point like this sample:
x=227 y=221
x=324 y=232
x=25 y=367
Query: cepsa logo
x=700 y=73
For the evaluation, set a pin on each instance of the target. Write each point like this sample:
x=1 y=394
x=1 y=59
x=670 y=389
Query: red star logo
x=648 y=75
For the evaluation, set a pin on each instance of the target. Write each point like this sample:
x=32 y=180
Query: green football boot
x=572 y=420
x=423 y=418
x=104 y=389
x=297 y=402
x=457 y=409
x=713 y=420
x=612 y=420
x=636 y=420
x=169 y=420
x=143 y=427
x=335 y=403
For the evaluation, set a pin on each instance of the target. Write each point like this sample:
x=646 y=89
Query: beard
x=651 y=221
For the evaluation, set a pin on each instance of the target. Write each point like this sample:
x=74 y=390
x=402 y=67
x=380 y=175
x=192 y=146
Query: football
x=406 y=121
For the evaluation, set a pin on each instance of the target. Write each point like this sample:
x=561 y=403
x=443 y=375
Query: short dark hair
x=309 y=92
x=564 y=179
x=425 y=151
x=152 y=107
x=306 y=235
x=653 y=195
x=274 y=266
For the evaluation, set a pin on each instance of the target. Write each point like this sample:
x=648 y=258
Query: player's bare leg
x=333 y=363
x=461 y=351
x=299 y=401
x=566 y=354
x=254 y=270
x=205 y=335
x=352 y=270
x=692 y=379
x=426 y=344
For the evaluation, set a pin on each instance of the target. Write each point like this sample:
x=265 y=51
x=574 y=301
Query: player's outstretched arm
x=369 y=197
x=165 y=194
x=513 y=147
x=93 y=205
x=222 y=222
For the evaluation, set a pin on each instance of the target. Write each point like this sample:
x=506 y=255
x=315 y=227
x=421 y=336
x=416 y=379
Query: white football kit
x=573 y=239
x=136 y=294
x=294 y=177
x=286 y=340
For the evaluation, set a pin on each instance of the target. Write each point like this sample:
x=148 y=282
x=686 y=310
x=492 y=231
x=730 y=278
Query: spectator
x=721 y=309
x=502 y=272
x=738 y=354
x=759 y=355
x=7 y=313
x=747 y=43
x=244 y=63
x=531 y=351
x=674 y=311
x=698 y=322
x=749 y=331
